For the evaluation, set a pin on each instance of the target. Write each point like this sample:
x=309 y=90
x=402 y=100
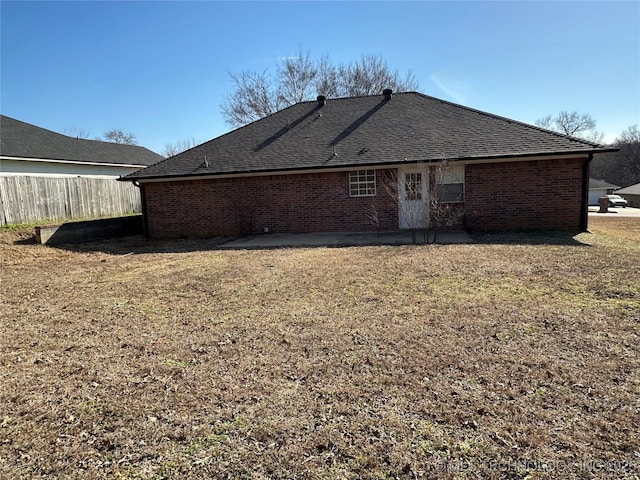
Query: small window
x=452 y=192
x=413 y=186
x=362 y=183
x=450 y=184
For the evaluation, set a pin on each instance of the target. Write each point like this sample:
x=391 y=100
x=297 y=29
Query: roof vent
x=322 y=100
x=387 y=92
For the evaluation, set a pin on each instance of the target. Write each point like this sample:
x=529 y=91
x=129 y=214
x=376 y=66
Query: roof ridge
x=507 y=119
x=78 y=139
x=348 y=97
x=26 y=140
x=241 y=127
x=482 y=112
x=31 y=125
x=246 y=125
x=277 y=112
x=633 y=187
x=422 y=126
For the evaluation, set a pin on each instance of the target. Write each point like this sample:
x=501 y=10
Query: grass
x=493 y=360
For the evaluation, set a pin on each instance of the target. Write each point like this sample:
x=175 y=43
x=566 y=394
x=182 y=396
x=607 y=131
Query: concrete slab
x=89 y=230
x=341 y=239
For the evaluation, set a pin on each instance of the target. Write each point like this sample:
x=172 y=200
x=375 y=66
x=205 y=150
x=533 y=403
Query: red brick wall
x=544 y=194
x=317 y=202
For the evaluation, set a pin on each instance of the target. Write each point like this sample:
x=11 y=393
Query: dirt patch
x=142 y=359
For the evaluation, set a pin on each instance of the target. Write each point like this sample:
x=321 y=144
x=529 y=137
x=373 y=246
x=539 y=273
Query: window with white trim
x=362 y=183
x=450 y=184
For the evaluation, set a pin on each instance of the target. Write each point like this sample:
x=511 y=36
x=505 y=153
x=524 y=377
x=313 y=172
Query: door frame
x=413 y=214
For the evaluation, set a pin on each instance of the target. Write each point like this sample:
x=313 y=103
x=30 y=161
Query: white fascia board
x=528 y=158
x=75 y=162
x=56 y=175
x=265 y=174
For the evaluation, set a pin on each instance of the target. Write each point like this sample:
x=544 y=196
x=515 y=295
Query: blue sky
x=161 y=69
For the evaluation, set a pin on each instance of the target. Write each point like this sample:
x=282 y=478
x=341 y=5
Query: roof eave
x=74 y=162
x=135 y=177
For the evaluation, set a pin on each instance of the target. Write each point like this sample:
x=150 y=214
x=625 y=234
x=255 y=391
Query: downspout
x=143 y=204
x=584 y=207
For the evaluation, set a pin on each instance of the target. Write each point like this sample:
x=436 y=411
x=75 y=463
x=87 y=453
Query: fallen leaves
x=372 y=362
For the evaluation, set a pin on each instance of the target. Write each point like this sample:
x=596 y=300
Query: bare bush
x=429 y=198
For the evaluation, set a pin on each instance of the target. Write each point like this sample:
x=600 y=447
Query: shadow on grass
x=528 y=237
x=138 y=244
x=26 y=240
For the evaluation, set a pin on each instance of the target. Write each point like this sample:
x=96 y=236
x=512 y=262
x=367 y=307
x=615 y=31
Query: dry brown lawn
x=143 y=359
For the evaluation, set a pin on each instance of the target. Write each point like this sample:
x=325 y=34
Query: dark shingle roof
x=23 y=140
x=594 y=183
x=363 y=131
x=630 y=190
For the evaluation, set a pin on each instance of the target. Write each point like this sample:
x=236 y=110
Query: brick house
x=631 y=194
x=46 y=176
x=599 y=188
x=325 y=165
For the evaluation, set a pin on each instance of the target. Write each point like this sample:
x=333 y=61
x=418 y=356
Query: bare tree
x=428 y=197
x=629 y=136
x=171 y=149
x=254 y=97
x=581 y=125
x=77 y=132
x=120 y=136
x=326 y=81
x=295 y=78
x=370 y=75
x=621 y=167
x=299 y=78
x=629 y=154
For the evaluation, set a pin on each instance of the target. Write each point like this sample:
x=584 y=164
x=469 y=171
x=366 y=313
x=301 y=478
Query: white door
x=413 y=202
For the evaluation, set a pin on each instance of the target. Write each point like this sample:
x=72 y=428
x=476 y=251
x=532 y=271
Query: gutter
x=584 y=204
x=143 y=204
x=132 y=177
x=72 y=162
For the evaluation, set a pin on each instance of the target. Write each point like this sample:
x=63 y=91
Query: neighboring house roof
x=600 y=185
x=630 y=190
x=25 y=141
x=365 y=132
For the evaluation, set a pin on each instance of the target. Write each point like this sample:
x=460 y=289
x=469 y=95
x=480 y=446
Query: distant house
x=49 y=176
x=631 y=194
x=324 y=166
x=599 y=188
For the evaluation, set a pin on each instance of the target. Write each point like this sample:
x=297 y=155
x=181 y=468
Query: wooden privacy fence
x=26 y=199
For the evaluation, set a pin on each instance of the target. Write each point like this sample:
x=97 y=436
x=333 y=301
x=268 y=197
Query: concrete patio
x=342 y=239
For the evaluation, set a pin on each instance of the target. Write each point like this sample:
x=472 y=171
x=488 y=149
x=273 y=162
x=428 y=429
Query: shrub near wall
x=313 y=202
x=544 y=194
